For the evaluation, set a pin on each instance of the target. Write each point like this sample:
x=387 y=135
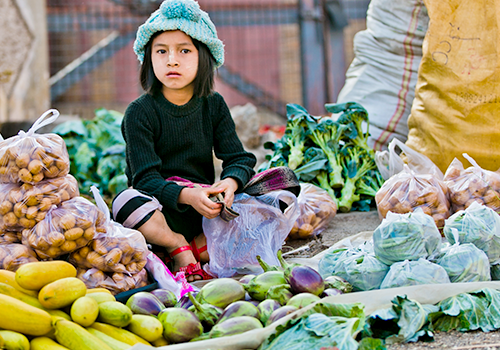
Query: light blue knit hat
x=184 y=15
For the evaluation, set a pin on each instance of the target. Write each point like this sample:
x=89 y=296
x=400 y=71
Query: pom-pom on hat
x=184 y=15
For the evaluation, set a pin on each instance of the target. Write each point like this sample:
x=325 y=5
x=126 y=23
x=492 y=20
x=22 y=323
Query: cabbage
x=465 y=263
x=363 y=271
x=495 y=271
x=479 y=225
x=411 y=273
x=409 y=236
x=329 y=263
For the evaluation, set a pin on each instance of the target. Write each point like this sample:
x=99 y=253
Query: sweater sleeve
x=236 y=162
x=143 y=163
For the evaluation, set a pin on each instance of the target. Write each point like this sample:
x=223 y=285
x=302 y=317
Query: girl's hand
x=198 y=198
x=228 y=186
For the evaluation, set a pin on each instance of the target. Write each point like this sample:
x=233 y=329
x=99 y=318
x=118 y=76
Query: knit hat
x=184 y=15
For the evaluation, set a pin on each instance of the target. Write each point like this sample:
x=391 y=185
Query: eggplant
x=266 y=308
x=281 y=312
x=207 y=314
x=302 y=299
x=179 y=325
x=266 y=267
x=280 y=292
x=259 y=285
x=330 y=292
x=302 y=279
x=239 y=308
x=235 y=325
x=184 y=302
x=221 y=292
x=167 y=297
x=246 y=278
x=338 y=283
x=145 y=303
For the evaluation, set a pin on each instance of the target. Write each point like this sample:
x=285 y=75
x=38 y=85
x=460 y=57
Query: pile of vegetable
x=96 y=152
x=332 y=154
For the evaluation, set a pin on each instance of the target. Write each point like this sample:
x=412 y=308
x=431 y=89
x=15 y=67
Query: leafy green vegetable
x=97 y=152
x=465 y=263
x=411 y=273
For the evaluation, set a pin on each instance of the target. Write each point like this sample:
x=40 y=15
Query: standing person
x=171 y=132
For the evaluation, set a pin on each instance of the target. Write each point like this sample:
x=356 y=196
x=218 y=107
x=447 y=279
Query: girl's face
x=175 y=64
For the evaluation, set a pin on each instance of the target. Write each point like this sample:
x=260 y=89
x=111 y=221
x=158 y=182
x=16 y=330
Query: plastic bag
x=14 y=255
x=317 y=209
x=66 y=228
x=479 y=225
x=406 y=237
x=8 y=237
x=119 y=249
x=464 y=262
x=473 y=184
x=114 y=282
x=30 y=158
x=260 y=229
x=329 y=263
x=407 y=190
x=390 y=162
x=411 y=273
x=23 y=206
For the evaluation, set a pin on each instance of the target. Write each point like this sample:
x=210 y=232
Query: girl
x=171 y=132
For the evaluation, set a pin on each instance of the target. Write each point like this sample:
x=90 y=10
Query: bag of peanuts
x=65 y=228
x=14 y=255
x=30 y=158
x=120 y=249
x=22 y=206
x=473 y=184
x=116 y=282
x=317 y=209
x=405 y=191
x=8 y=237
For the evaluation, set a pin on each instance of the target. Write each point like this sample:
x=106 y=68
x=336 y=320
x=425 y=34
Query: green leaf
x=75 y=127
x=371 y=344
x=85 y=158
x=117 y=184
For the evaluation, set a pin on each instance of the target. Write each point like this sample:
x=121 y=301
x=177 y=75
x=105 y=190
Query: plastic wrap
x=8 y=237
x=406 y=237
x=317 y=209
x=14 y=255
x=66 y=228
x=114 y=282
x=473 y=184
x=260 y=229
x=30 y=158
x=329 y=263
x=407 y=191
x=410 y=273
x=479 y=225
x=23 y=206
x=119 y=249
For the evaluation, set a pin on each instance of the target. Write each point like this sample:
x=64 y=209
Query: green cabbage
x=411 y=273
x=465 y=263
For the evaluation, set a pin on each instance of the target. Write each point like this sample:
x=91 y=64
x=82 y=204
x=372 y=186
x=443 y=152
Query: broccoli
x=314 y=161
x=295 y=134
x=370 y=183
x=356 y=164
x=324 y=183
x=327 y=134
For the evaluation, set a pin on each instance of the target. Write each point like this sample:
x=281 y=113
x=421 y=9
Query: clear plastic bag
x=66 y=228
x=479 y=225
x=8 y=237
x=317 y=209
x=30 y=158
x=260 y=229
x=411 y=273
x=119 y=249
x=23 y=206
x=406 y=237
x=114 y=282
x=14 y=255
x=407 y=190
x=473 y=184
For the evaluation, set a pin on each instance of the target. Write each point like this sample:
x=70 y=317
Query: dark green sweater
x=164 y=140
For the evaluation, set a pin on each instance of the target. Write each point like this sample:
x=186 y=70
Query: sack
x=14 y=255
x=260 y=229
x=115 y=282
x=411 y=273
x=455 y=109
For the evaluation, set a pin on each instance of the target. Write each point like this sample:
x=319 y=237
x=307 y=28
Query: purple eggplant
x=221 y=292
x=280 y=313
x=184 y=302
x=235 y=325
x=245 y=279
x=259 y=285
x=302 y=279
x=207 y=314
x=302 y=299
x=179 y=325
x=330 y=292
x=145 y=303
x=266 y=308
x=280 y=292
x=167 y=297
x=338 y=283
x=239 y=308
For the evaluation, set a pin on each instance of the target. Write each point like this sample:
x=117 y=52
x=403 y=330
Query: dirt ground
x=347 y=224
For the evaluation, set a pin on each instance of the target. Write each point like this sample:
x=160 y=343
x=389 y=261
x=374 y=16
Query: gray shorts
x=132 y=208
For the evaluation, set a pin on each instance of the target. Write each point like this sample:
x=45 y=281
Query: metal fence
x=277 y=51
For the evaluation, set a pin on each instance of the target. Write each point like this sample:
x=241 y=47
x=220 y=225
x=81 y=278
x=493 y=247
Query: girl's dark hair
x=203 y=82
